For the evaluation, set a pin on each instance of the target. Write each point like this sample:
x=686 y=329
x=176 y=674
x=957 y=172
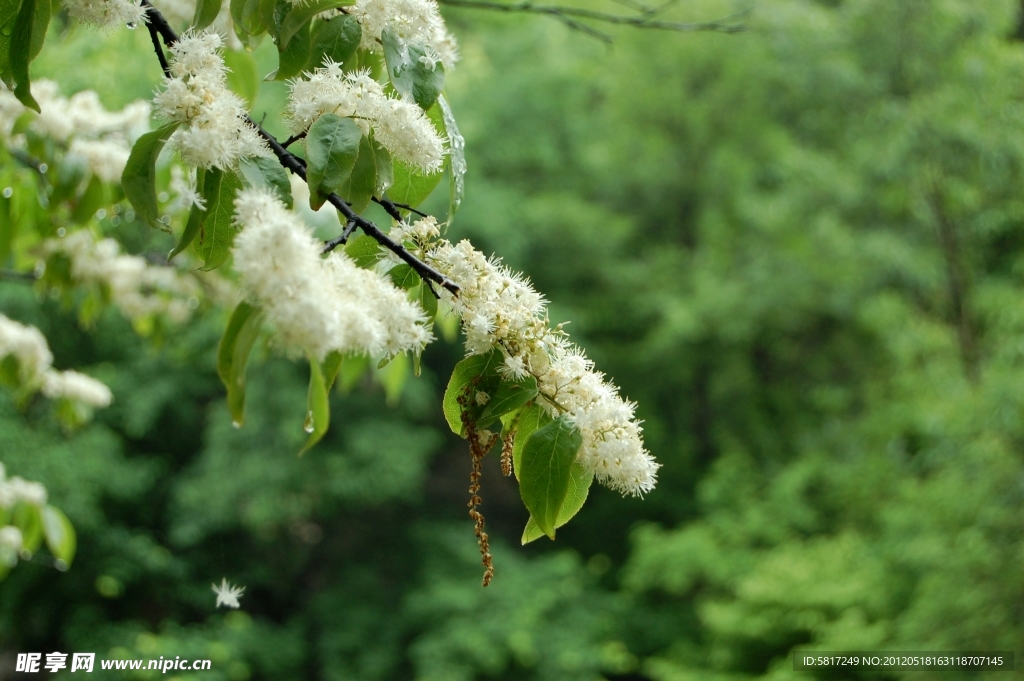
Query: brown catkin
x=477 y=449
x=506 y=453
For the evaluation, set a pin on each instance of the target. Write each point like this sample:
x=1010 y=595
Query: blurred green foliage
x=800 y=249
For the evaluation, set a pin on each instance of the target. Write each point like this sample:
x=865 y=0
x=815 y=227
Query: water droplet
x=8 y=192
x=236 y=424
x=60 y=565
x=100 y=214
x=162 y=197
x=193 y=303
x=115 y=221
x=308 y=425
x=131 y=25
x=43 y=167
x=61 y=231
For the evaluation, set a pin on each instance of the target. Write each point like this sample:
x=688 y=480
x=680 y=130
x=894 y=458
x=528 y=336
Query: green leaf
x=364 y=250
x=403 y=276
x=267 y=173
x=318 y=414
x=361 y=184
x=331 y=365
x=233 y=355
x=547 y=460
x=29 y=520
x=243 y=77
x=332 y=146
x=481 y=369
x=250 y=19
x=385 y=168
x=93 y=198
x=409 y=72
x=139 y=177
x=195 y=221
x=579 y=487
x=509 y=396
x=60 y=534
x=217 y=232
x=410 y=187
x=336 y=39
x=292 y=57
x=456 y=159
x=28 y=33
x=530 y=419
x=206 y=13
x=427 y=300
x=300 y=15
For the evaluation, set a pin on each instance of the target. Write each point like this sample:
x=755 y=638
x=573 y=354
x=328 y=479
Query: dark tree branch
x=293 y=163
x=293 y=139
x=154 y=35
x=13 y=275
x=645 y=17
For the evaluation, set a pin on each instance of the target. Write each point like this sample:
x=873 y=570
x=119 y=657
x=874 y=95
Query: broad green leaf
x=336 y=39
x=267 y=173
x=206 y=13
x=32 y=15
x=92 y=199
x=191 y=231
x=332 y=146
x=546 y=464
x=479 y=369
x=331 y=365
x=29 y=519
x=195 y=221
x=243 y=77
x=217 y=231
x=292 y=57
x=300 y=15
x=427 y=300
x=509 y=396
x=250 y=20
x=532 y=417
x=456 y=159
x=60 y=535
x=318 y=409
x=361 y=184
x=410 y=187
x=233 y=355
x=409 y=72
x=403 y=276
x=579 y=487
x=385 y=168
x=364 y=250
x=139 y=177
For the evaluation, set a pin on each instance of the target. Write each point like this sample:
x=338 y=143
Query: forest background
x=800 y=249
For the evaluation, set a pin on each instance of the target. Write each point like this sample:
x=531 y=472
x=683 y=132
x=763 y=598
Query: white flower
x=400 y=126
x=215 y=132
x=415 y=22
x=317 y=304
x=135 y=287
x=500 y=308
x=227 y=595
x=105 y=158
x=72 y=385
x=28 y=492
x=106 y=13
x=10 y=538
x=28 y=346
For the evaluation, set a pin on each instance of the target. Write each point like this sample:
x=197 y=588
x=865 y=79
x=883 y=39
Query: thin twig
x=293 y=139
x=644 y=19
x=294 y=164
x=14 y=275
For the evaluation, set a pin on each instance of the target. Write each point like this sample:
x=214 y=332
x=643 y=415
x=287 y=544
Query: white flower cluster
x=318 y=304
x=179 y=14
x=137 y=288
x=500 y=308
x=27 y=346
x=100 y=138
x=107 y=13
x=215 y=132
x=415 y=22
x=12 y=491
x=400 y=126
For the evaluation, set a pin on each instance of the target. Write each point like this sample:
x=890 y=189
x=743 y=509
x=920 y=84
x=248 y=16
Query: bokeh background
x=800 y=249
